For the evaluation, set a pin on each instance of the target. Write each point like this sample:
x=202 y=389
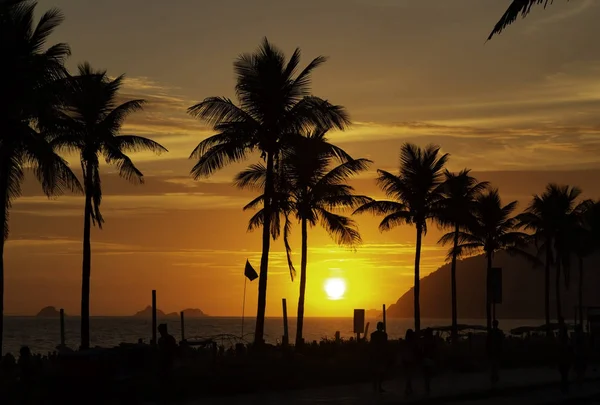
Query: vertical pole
x=384 y=319
x=62 y=328
x=182 y=327
x=493 y=311
x=244 y=306
x=153 y=317
x=285 y=323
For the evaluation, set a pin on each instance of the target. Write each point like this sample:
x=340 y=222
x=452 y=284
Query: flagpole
x=244 y=306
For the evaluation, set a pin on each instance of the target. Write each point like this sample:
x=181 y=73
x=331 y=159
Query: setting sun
x=335 y=288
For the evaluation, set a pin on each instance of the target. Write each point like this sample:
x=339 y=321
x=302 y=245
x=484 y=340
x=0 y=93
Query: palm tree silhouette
x=275 y=105
x=416 y=195
x=90 y=125
x=459 y=192
x=517 y=7
x=552 y=217
x=311 y=189
x=28 y=100
x=492 y=231
x=584 y=241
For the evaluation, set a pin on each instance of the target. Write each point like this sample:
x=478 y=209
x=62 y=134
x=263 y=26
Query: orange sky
x=520 y=111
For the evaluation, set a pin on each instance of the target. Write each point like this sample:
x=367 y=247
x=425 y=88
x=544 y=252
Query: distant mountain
x=147 y=313
x=48 y=312
x=523 y=290
x=188 y=313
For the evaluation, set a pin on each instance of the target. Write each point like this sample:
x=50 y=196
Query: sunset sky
x=520 y=110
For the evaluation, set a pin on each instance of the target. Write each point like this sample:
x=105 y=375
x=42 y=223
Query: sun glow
x=335 y=288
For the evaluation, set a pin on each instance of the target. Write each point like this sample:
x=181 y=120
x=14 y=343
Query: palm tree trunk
x=488 y=298
x=86 y=270
x=559 y=315
x=580 y=291
x=453 y=288
x=417 y=288
x=264 y=260
x=303 y=263
x=547 y=291
x=3 y=201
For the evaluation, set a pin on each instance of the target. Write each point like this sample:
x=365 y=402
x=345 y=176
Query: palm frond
x=517 y=7
x=133 y=143
x=342 y=228
x=253 y=177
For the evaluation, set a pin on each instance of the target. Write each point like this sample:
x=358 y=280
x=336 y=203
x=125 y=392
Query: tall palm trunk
x=4 y=202
x=547 y=291
x=559 y=315
x=488 y=297
x=580 y=291
x=417 y=288
x=303 y=263
x=264 y=260
x=86 y=269
x=453 y=288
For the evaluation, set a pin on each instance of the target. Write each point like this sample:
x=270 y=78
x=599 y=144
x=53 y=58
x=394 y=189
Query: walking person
x=379 y=356
x=428 y=355
x=410 y=358
x=495 y=343
x=564 y=356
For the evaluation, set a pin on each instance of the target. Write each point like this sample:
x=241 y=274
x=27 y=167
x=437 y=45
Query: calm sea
x=43 y=335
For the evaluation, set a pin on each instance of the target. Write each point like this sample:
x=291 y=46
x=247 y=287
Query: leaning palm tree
x=492 y=231
x=90 y=125
x=274 y=106
x=30 y=75
x=416 y=196
x=310 y=190
x=517 y=7
x=552 y=216
x=459 y=192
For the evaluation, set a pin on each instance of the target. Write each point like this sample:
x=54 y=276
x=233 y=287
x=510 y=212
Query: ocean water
x=43 y=334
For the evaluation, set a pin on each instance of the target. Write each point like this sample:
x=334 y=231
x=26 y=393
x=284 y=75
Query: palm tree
x=585 y=240
x=517 y=7
x=492 y=231
x=30 y=76
x=416 y=194
x=90 y=125
x=459 y=192
x=552 y=217
x=274 y=106
x=310 y=190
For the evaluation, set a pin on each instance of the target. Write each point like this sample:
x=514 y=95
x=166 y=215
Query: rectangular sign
x=359 y=321
x=495 y=287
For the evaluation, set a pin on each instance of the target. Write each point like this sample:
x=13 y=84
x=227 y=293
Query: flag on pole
x=250 y=272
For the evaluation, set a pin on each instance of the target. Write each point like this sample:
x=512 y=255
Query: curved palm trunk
x=453 y=288
x=580 y=291
x=86 y=272
x=559 y=315
x=303 y=263
x=547 y=291
x=488 y=298
x=417 y=288
x=4 y=202
x=264 y=260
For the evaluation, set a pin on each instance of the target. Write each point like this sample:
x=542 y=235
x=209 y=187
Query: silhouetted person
x=410 y=358
x=494 y=343
x=429 y=354
x=580 y=352
x=564 y=356
x=167 y=346
x=25 y=365
x=379 y=356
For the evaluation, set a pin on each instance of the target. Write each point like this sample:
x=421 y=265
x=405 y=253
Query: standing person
x=410 y=358
x=564 y=356
x=167 y=349
x=379 y=356
x=494 y=343
x=429 y=354
x=579 y=348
